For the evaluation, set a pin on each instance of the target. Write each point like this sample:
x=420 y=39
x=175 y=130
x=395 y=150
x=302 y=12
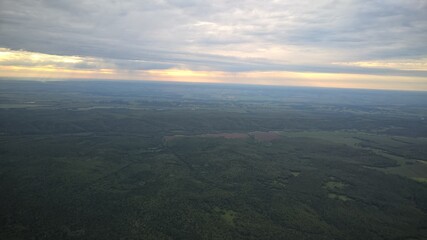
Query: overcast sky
x=354 y=43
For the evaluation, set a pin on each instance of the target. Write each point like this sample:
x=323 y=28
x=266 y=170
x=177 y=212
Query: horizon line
x=160 y=81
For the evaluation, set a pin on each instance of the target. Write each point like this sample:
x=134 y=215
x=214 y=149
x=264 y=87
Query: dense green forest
x=143 y=160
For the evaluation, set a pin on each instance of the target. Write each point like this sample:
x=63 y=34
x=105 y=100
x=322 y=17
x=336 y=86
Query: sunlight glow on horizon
x=38 y=65
x=325 y=43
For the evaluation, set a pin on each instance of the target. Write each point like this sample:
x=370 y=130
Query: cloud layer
x=380 y=38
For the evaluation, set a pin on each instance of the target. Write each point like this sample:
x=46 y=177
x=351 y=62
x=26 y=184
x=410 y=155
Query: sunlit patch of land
x=339 y=197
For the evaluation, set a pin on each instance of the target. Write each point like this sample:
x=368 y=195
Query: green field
x=157 y=161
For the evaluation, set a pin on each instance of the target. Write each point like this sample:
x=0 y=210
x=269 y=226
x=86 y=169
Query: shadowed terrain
x=143 y=160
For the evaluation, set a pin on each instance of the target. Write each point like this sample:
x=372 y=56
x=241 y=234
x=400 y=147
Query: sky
x=375 y=44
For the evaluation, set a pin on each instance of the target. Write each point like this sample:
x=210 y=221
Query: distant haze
x=326 y=43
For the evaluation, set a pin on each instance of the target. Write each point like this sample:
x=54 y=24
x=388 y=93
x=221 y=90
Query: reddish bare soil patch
x=227 y=135
x=265 y=136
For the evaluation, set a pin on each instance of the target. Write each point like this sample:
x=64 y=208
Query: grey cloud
x=158 y=34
